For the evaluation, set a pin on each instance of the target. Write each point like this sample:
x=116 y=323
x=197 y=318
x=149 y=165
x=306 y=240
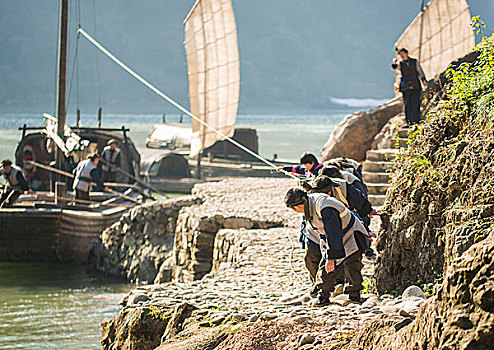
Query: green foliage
x=159 y=314
x=431 y=288
x=470 y=82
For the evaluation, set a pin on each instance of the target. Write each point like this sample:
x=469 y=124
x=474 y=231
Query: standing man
x=15 y=186
x=412 y=76
x=110 y=154
x=338 y=229
x=85 y=173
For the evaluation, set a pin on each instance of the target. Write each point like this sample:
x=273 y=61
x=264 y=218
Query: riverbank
x=256 y=280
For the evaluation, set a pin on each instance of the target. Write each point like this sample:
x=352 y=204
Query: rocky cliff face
x=438 y=222
x=354 y=135
x=459 y=316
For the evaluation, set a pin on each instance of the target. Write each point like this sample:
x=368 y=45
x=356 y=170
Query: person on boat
x=16 y=183
x=309 y=166
x=334 y=172
x=85 y=174
x=340 y=233
x=111 y=154
x=411 y=81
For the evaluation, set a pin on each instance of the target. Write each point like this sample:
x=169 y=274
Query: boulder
x=460 y=316
x=353 y=136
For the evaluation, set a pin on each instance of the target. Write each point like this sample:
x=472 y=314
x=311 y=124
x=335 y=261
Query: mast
x=61 y=76
x=422 y=8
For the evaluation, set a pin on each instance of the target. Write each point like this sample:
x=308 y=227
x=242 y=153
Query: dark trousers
x=83 y=195
x=312 y=259
x=109 y=176
x=352 y=268
x=411 y=100
x=8 y=198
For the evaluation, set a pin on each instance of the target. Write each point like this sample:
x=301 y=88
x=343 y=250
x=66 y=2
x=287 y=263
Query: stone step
x=381 y=155
x=403 y=142
x=376 y=167
x=403 y=133
x=375 y=177
x=377 y=188
x=377 y=200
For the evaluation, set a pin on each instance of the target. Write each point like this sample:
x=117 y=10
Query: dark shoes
x=369 y=253
x=354 y=297
x=322 y=301
x=314 y=292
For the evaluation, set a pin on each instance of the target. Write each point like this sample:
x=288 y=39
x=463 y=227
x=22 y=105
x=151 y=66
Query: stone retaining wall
x=176 y=238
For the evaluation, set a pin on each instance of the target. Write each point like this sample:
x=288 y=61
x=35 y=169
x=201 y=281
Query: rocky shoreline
x=256 y=284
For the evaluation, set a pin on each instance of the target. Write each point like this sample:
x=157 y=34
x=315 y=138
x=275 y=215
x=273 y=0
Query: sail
x=446 y=35
x=213 y=67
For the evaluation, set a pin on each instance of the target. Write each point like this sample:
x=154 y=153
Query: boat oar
x=67 y=174
x=130 y=176
x=123 y=196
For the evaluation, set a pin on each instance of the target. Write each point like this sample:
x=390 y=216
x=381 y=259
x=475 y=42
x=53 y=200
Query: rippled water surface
x=285 y=135
x=53 y=306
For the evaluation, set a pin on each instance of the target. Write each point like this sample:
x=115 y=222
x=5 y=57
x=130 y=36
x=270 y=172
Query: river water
x=49 y=306
x=54 y=306
x=285 y=135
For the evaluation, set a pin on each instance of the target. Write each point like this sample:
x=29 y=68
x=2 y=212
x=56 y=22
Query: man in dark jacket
x=112 y=161
x=15 y=186
x=412 y=76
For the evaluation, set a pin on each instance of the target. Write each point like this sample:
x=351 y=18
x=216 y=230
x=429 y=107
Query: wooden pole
x=422 y=6
x=78 y=122
x=61 y=76
x=65 y=173
x=82 y=201
x=100 y=113
x=130 y=176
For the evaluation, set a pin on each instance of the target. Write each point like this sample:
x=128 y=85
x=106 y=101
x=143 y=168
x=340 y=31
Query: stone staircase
x=375 y=171
x=376 y=168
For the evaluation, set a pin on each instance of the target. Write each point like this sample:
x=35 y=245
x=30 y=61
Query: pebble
x=268 y=316
x=301 y=319
x=138 y=298
x=306 y=339
x=413 y=292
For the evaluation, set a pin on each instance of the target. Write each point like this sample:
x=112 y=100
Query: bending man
x=337 y=228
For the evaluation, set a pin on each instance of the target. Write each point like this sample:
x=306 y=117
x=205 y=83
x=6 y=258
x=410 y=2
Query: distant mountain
x=294 y=53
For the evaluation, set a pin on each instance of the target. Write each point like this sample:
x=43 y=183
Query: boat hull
x=52 y=235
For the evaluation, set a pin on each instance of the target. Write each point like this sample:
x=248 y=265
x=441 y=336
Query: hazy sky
x=294 y=53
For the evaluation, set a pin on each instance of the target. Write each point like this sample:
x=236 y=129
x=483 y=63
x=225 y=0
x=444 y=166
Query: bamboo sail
x=213 y=67
x=439 y=35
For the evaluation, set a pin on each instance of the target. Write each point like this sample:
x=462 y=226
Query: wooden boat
x=34 y=146
x=52 y=234
x=166 y=164
x=48 y=226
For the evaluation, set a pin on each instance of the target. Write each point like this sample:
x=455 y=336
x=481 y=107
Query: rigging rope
x=177 y=105
x=98 y=91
